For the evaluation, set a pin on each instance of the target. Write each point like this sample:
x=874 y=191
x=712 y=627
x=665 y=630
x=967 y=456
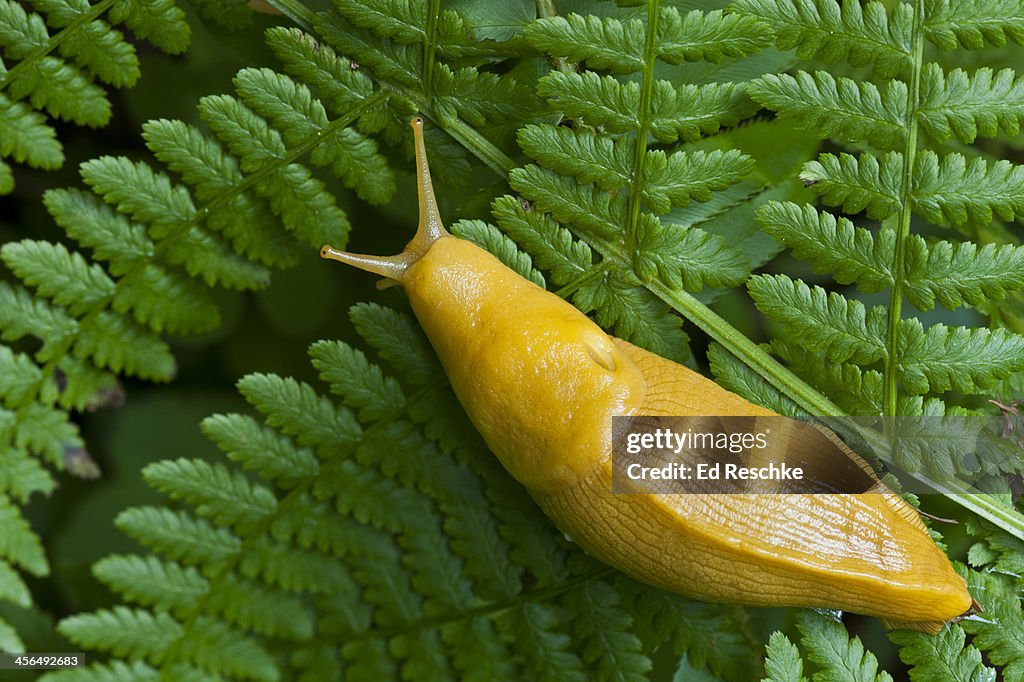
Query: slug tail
x=935 y=627
x=429 y=230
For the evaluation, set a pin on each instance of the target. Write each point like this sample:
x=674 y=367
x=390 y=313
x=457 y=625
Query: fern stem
x=891 y=389
x=495 y=159
x=296 y=11
x=430 y=46
x=54 y=42
x=644 y=124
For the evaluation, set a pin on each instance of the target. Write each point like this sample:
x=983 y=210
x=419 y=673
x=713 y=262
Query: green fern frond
x=973 y=24
x=735 y=376
x=375 y=553
x=708 y=636
x=943 y=656
x=839 y=656
x=841 y=328
x=165 y=242
x=20 y=546
x=857 y=183
x=953 y=273
x=127 y=631
x=958 y=273
x=837 y=107
x=961 y=192
x=600 y=42
x=685 y=257
x=782 y=661
x=57 y=274
x=710 y=36
x=852 y=254
x=27 y=139
x=861 y=34
x=609 y=647
x=36 y=80
x=393 y=41
x=22 y=315
x=552 y=246
x=608 y=43
x=491 y=238
x=118 y=671
x=857 y=391
x=967 y=106
x=598 y=180
x=583 y=154
x=965 y=359
x=683 y=113
x=233 y=503
x=178 y=536
x=168 y=586
x=914 y=105
x=1001 y=635
x=598 y=214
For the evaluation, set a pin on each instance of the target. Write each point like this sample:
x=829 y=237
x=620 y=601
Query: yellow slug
x=541 y=382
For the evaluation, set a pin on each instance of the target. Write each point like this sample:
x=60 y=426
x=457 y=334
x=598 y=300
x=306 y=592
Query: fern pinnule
x=973 y=24
x=863 y=34
x=967 y=106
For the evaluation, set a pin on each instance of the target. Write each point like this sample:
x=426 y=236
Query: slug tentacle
x=429 y=230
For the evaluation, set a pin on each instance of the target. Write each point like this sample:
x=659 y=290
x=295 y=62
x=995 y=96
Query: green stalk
x=891 y=388
x=430 y=46
x=296 y=11
x=643 y=123
x=747 y=351
x=466 y=135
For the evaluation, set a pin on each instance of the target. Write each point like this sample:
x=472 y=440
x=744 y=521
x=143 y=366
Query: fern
x=432 y=66
x=371 y=536
x=890 y=363
x=596 y=179
x=165 y=242
x=56 y=74
x=358 y=546
x=897 y=117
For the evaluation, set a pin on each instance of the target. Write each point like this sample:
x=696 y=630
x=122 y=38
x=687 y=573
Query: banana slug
x=541 y=382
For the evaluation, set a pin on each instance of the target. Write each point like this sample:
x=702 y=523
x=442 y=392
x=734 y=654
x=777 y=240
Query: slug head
x=539 y=379
x=430 y=228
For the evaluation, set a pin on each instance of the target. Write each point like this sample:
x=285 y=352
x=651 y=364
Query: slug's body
x=541 y=382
